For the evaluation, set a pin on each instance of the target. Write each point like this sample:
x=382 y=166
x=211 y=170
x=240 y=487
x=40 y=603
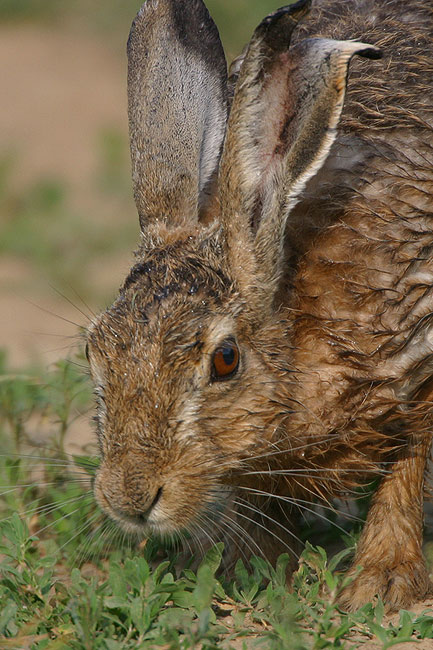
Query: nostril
x=144 y=516
x=156 y=499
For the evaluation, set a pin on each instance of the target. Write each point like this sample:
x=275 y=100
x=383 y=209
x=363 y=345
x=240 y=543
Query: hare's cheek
x=100 y=417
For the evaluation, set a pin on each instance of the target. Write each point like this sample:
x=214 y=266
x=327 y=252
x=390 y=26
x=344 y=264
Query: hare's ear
x=177 y=77
x=286 y=108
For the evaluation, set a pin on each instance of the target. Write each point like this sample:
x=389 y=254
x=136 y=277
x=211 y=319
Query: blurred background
x=68 y=224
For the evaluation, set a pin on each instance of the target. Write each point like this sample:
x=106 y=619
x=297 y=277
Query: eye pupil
x=225 y=361
x=228 y=356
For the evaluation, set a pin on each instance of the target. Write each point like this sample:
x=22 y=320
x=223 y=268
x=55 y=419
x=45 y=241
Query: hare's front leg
x=389 y=550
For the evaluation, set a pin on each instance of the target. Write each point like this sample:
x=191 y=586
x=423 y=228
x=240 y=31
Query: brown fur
x=362 y=292
x=334 y=338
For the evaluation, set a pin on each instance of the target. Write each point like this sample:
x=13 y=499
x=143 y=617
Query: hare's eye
x=225 y=361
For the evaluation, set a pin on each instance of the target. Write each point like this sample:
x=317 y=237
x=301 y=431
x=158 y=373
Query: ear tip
x=371 y=52
x=304 y=5
x=295 y=12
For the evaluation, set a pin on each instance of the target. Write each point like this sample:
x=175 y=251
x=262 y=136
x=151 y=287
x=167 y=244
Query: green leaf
x=183 y=599
x=137 y=615
x=331 y=580
x=7 y=615
x=280 y=574
x=379 y=610
x=396 y=641
x=213 y=557
x=160 y=570
x=204 y=621
x=242 y=575
x=378 y=630
x=204 y=590
x=113 y=602
x=88 y=463
x=336 y=559
x=117 y=581
x=406 y=624
x=424 y=626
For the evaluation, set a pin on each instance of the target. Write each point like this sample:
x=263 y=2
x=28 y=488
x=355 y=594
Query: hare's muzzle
x=131 y=496
x=144 y=496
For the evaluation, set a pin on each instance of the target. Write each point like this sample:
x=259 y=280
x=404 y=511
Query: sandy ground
x=58 y=89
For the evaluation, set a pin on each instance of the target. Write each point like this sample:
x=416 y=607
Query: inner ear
x=285 y=112
x=276 y=136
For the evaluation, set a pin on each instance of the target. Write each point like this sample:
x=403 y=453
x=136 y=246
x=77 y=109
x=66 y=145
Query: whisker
x=47 y=508
x=194 y=529
x=68 y=300
x=56 y=461
x=65 y=516
x=185 y=542
x=36 y=484
x=52 y=313
x=205 y=532
x=242 y=534
x=301 y=502
x=84 y=552
x=301 y=472
x=87 y=524
x=249 y=506
x=270 y=532
x=327 y=439
x=219 y=522
x=83 y=302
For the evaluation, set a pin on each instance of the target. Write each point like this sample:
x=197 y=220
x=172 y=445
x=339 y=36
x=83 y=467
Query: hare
x=273 y=342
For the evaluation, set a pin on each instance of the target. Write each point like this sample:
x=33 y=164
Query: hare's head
x=192 y=361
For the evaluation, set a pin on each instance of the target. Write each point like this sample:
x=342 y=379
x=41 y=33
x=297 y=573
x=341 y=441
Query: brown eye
x=225 y=361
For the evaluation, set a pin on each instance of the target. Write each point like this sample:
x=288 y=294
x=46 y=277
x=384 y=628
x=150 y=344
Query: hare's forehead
x=182 y=273
x=164 y=307
x=175 y=326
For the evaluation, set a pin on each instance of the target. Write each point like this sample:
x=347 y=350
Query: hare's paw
x=399 y=587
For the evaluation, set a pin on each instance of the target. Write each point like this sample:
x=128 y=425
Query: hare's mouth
x=143 y=524
x=155 y=520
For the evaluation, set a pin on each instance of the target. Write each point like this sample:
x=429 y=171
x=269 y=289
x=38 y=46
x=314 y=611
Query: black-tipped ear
x=177 y=108
x=286 y=108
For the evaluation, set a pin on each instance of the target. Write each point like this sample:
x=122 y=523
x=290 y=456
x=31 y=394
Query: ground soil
x=58 y=89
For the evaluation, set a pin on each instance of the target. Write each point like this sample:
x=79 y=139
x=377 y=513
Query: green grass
x=68 y=579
